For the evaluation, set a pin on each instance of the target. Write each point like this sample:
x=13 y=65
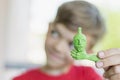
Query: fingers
x=108 y=58
x=108 y=53
x=109 y=61
x=115 y=77
x=112 y=71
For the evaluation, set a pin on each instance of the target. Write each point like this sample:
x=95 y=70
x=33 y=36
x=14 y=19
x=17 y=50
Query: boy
x=58 y=44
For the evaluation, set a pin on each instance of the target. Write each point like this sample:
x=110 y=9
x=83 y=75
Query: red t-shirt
x=75 y=73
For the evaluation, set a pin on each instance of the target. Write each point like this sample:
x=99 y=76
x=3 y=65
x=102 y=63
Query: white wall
x=3 y=9
x=17 y=30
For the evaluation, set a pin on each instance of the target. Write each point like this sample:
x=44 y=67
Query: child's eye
x=71 y=45
x=54 y=33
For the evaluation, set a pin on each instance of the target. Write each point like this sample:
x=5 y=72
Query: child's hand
x=110 y=61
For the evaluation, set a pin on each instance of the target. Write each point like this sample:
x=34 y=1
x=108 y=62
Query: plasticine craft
x=79 y=51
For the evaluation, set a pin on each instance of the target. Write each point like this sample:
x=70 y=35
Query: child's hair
x=81 y=13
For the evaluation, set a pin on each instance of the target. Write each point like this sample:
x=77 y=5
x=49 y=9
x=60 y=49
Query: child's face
x=58 y=46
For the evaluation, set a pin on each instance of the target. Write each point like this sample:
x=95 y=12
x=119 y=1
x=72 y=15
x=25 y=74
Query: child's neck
x=55 y=72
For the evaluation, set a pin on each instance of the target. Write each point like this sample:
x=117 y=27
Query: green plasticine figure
x=79 y=52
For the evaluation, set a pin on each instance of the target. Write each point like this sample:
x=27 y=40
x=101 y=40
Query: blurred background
x=23 y=26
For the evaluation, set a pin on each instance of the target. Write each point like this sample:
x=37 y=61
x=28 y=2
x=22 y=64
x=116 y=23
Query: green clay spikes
x=79 y=51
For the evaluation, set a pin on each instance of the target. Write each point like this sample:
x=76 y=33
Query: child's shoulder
x=26 y=75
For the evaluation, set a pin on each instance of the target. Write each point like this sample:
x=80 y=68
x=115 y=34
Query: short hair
x=83 y=14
